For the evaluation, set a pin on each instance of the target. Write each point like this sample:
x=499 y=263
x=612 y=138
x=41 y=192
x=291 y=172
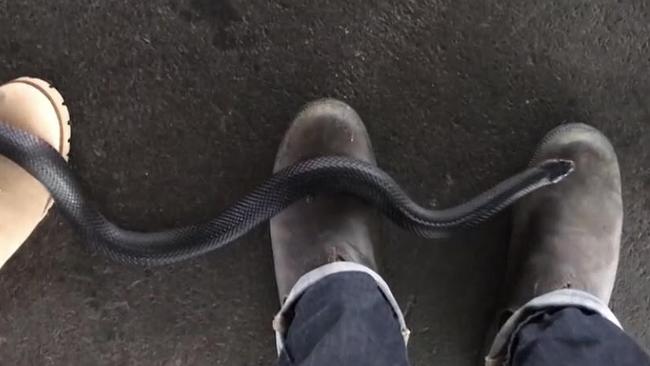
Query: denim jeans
x=349 y=317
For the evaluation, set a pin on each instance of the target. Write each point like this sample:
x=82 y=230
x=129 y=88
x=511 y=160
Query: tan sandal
x=35 y=106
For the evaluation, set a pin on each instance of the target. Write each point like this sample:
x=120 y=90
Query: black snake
x=324 y=174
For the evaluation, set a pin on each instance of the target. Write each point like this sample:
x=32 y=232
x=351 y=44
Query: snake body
x=333 y=174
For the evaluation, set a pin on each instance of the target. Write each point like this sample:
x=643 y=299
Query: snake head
x=557 y=169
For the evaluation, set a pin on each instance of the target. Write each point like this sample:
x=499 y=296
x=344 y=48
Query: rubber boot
x=567 y=236
x=326 y=228
x=35 y=106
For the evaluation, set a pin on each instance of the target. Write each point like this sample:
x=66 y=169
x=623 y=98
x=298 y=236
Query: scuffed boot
x=326 y=228
x=567 y=236
x=35 y=106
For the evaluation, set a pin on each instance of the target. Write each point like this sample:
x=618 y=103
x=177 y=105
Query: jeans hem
x=280 y=325
x=559 y=298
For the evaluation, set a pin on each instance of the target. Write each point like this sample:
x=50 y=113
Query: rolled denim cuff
x=500 y=350
x=280 y=322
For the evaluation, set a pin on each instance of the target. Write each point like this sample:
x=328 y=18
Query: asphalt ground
x=177 y=109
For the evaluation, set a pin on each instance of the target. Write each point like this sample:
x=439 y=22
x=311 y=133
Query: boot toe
x=325 y=127
x=561 y=142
